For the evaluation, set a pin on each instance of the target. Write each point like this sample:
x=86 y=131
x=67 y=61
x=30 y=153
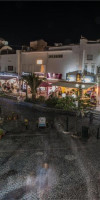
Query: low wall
x=41 y=107
x=57 y=111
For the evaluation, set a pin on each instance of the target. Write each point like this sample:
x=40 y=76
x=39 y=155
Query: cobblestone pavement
x=74 y=165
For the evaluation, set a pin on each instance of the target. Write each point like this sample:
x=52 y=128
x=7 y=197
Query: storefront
x=9 y=82
x=76 y=89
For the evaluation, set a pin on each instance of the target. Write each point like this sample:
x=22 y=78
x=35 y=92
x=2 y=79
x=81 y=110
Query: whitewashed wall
x=72 y=60
x=68 y=63
x=91 y=49
x=8 y=60
x=29 y=61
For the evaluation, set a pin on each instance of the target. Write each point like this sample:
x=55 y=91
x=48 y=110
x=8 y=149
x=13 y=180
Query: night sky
x=65 y=22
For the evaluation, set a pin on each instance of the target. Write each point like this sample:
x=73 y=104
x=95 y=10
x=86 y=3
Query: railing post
x=67 y=127
x=97 y=133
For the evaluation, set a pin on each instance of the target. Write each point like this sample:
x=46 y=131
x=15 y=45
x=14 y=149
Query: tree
x=33 y=81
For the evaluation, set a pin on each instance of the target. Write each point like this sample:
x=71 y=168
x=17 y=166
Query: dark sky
x=22 y=22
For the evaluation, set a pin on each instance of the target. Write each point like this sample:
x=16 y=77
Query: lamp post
x=80 y=95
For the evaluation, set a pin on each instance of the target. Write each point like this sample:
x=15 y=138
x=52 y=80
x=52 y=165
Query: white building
x=54 y=62
x=57 y=59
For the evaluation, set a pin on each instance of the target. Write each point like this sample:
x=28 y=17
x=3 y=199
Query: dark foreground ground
x=74 y=165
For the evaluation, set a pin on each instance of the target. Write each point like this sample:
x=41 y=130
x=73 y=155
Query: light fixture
x=39 y=62
x=77 y=85
x=83 y=86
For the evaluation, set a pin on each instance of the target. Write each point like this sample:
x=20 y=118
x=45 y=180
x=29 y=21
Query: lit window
x=39 y=62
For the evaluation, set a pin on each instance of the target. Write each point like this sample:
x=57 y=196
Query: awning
x=45 y=84
x=6 y=77
x=74 y=84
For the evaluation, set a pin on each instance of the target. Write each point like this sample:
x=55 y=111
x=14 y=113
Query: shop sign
x=39 y=73
x=70 y=77
x=42 y=121
x=88 y=79
x=26 y=73
x=8 y=74
x=54 y=75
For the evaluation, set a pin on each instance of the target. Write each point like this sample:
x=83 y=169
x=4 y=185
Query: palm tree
x=33 y=81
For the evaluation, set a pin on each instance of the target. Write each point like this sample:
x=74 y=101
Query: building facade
x=57 y=62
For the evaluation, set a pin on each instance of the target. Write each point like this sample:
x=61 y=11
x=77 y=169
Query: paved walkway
x=74 y=165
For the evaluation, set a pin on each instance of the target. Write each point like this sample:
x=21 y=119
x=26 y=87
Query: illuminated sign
x=39 y=74
x=70 y=77
x=54 y=76
x=26 y=73
x=8 y=74
x=88 y=79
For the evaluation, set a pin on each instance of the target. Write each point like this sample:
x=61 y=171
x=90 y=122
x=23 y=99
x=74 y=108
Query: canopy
x=6 y=77
x=45 y=84
x=74 y=84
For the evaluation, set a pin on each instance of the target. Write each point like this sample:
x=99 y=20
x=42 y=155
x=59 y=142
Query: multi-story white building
x=57 y=59
x=56 y=62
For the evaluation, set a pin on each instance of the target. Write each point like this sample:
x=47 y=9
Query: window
x=92 y=68
x=89 y=57
x=39 y=62
x=10 y=68
x=56 y=56
x=98 y=70
x=85 y=68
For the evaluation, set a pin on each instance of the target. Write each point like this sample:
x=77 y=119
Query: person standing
x=82 y=113
x=26 y=122
x=42 y=180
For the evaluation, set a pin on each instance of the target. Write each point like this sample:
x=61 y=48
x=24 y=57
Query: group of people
x=7 y=87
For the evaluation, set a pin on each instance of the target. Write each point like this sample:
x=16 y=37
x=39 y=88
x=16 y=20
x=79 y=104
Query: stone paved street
x=73 y=171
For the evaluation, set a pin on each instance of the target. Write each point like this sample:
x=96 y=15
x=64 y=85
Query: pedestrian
x=26 y=123
x=52 y=124
x=42 y=180
x=82 y=113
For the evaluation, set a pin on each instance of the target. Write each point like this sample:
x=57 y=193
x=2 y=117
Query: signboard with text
x=54 y=75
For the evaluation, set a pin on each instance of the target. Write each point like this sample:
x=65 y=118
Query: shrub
x=40 y=99
x=66 y=103
x=28 y=100
x=51 y=102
